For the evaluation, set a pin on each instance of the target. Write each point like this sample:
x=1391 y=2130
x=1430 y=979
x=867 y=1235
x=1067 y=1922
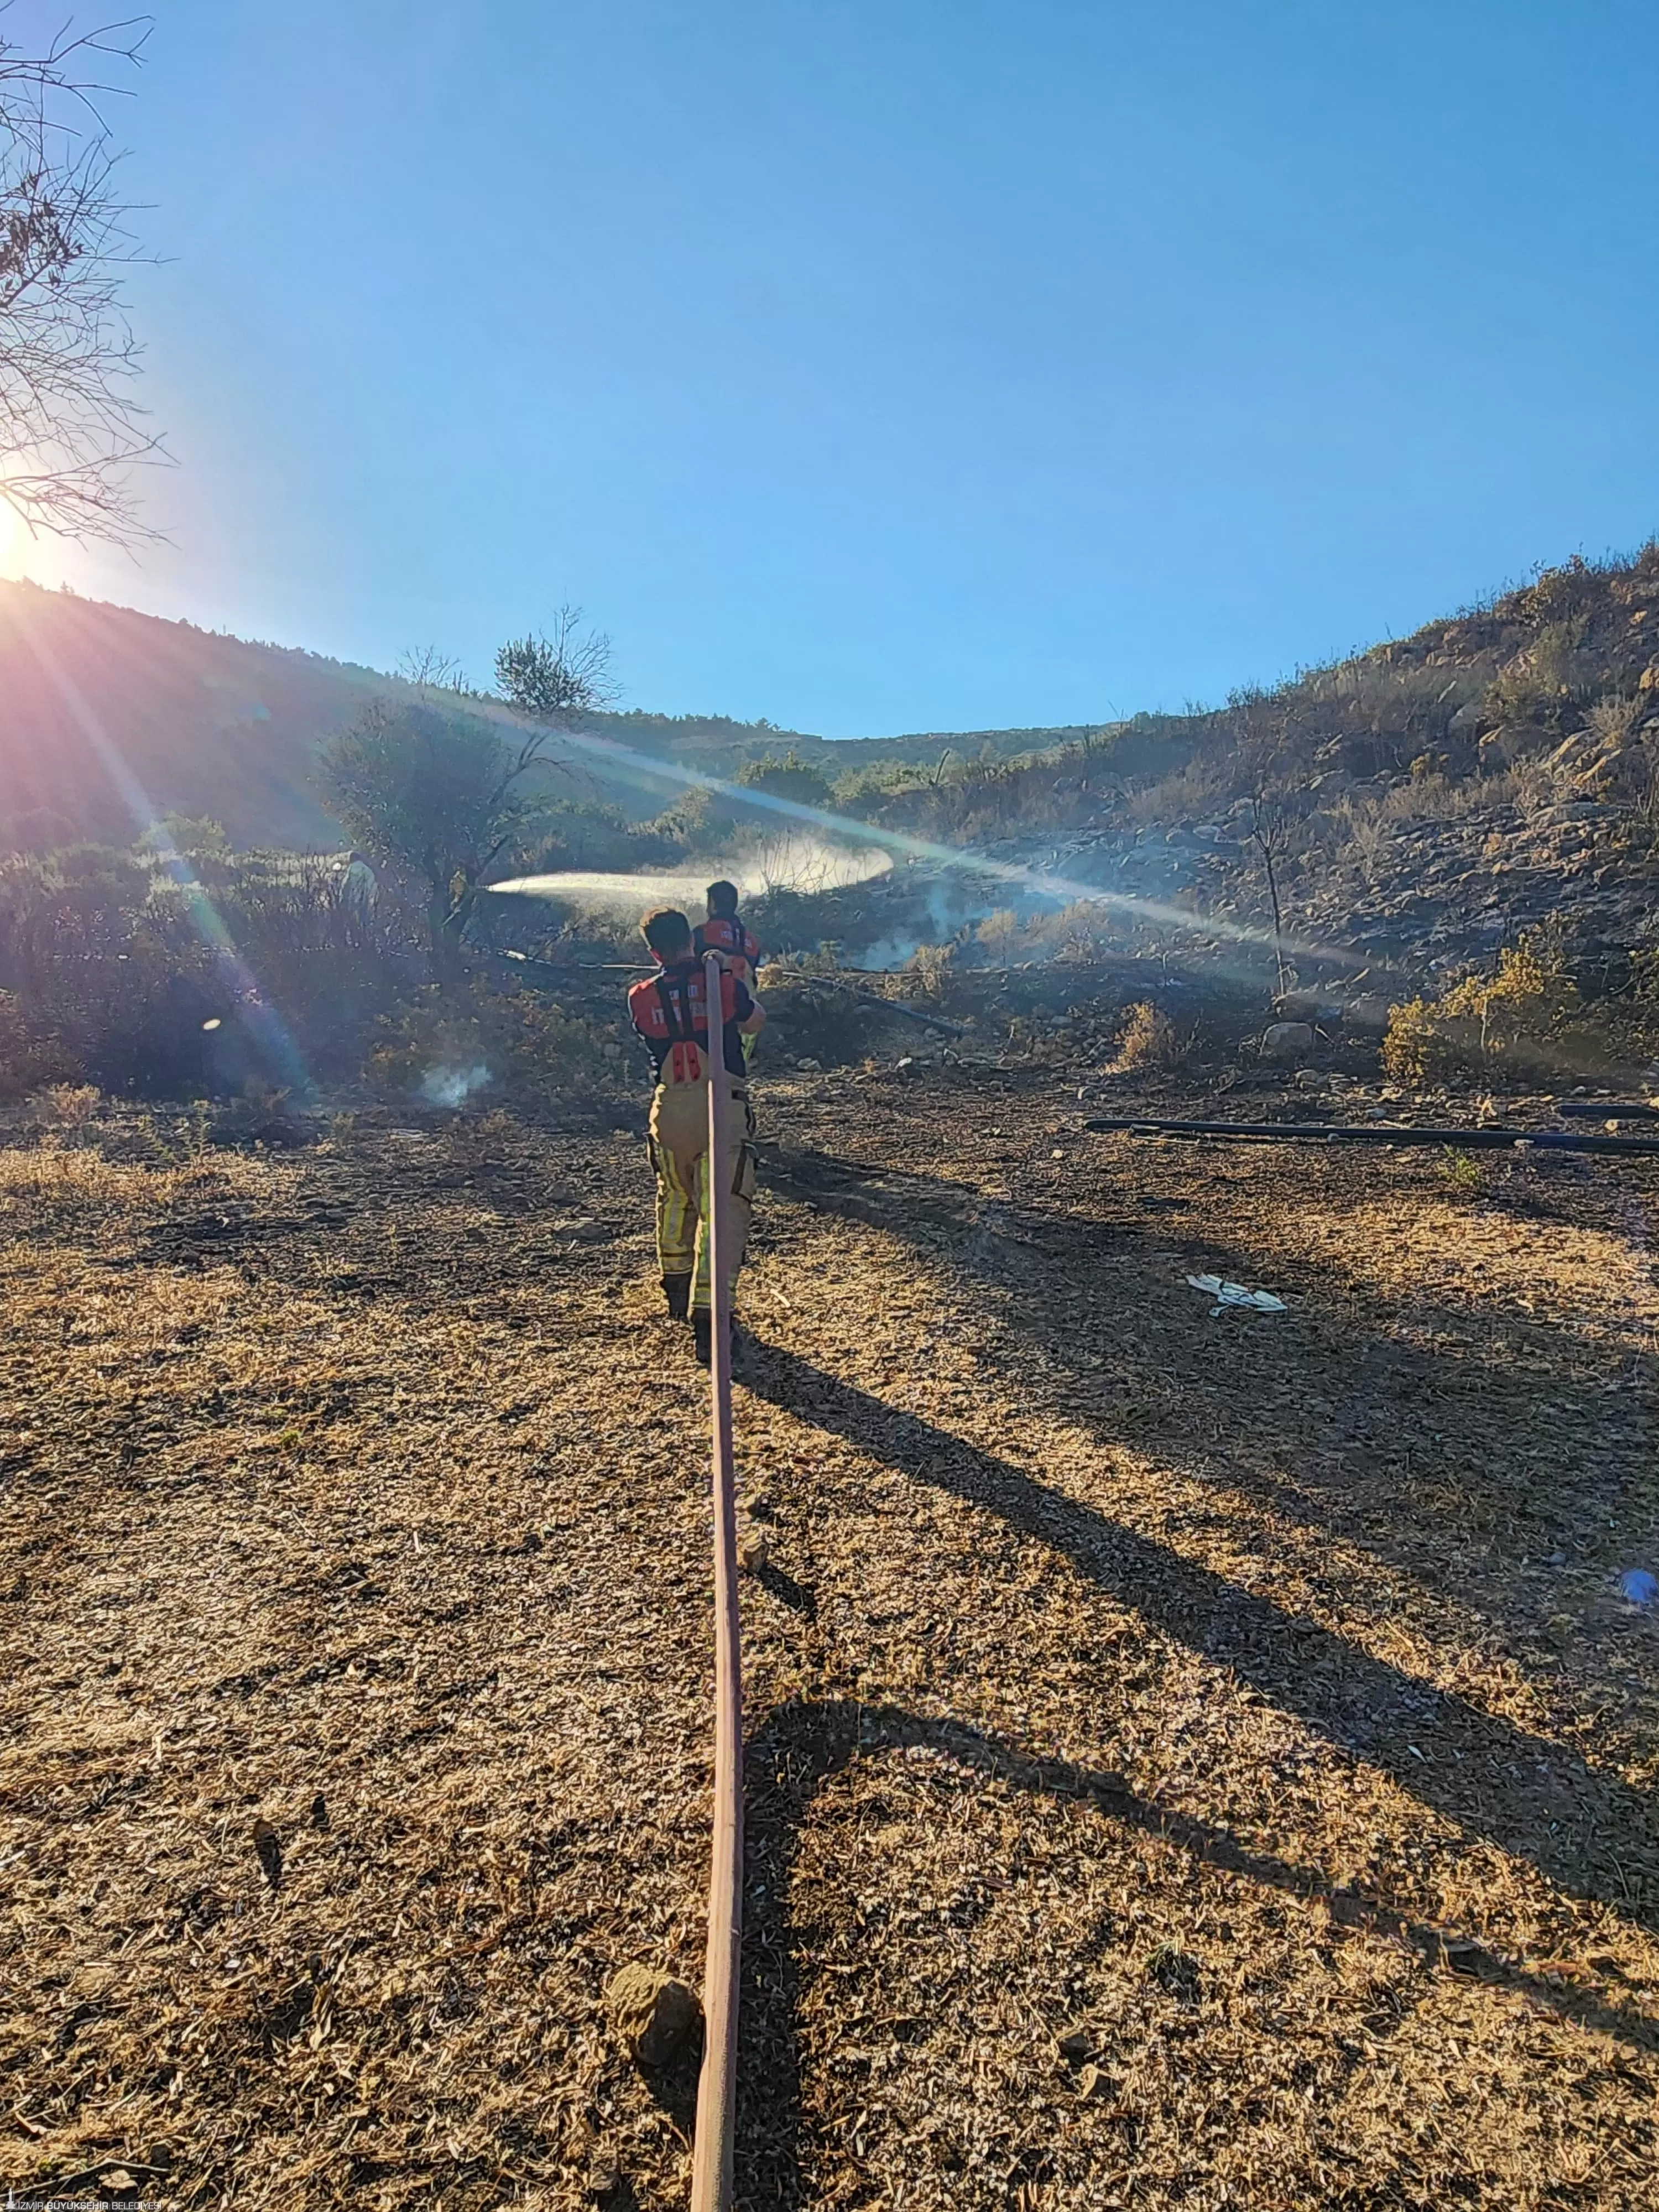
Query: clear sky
x=886 y=365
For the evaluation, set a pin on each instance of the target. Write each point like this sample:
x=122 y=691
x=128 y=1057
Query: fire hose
x=1392 y=1133
x=711 y=2157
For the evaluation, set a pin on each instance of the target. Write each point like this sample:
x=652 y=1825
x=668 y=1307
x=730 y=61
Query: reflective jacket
x=668 y=1010
x=725 y=933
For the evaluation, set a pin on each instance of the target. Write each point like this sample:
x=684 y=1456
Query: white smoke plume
x=452 y=1087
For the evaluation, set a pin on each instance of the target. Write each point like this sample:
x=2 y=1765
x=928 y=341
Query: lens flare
x=265 y=1024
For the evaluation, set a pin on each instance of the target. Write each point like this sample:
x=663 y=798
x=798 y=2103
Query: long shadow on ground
x=803 y=1745
x=1587 y=1832
x=1452 y=1417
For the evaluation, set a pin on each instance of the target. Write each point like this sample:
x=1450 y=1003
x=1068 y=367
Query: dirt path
x=1193 y=1760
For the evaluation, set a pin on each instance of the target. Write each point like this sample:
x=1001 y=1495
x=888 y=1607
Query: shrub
x=999 y=935
x=1548 y=675
x=930 y=964
x=69 y=1106
x=1461 y=1173
x=1148 y=1038
x=1616 y=719
x=1421 y=1046
x=789 y=777
x=1530 y=1019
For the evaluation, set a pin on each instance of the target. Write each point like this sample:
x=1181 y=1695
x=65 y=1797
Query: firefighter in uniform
x=724 y=932
x=668 y=1010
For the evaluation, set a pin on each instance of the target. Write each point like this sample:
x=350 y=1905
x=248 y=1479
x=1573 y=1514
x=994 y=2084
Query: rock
x=1304 y=1006
x=809 y=1067
x=1368 y=1015
x=1287 y=1040
x=752 y=1546
x=1573 y=753
x=1511 y=741
x=1309 y=1078
x=657 y=2017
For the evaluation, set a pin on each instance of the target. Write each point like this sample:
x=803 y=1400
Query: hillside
x=216 y=726
x=1425 y=802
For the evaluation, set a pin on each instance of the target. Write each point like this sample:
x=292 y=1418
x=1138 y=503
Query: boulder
x=1366 y=1016
x=1511 y=741
x=1287 y=1040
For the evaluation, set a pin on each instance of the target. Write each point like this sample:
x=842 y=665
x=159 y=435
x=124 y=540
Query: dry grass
x=1193 y=1761
x=1148 y=1039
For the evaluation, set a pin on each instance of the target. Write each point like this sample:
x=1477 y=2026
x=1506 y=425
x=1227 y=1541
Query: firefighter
x=724 y=932
x=668 y=1010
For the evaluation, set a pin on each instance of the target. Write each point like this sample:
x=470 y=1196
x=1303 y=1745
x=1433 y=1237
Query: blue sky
x=883 y=365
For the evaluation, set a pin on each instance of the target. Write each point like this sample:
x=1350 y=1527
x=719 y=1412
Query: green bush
x=789 y=777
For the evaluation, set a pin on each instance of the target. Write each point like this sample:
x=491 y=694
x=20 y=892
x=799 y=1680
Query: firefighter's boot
x=676 y=1289
x=702 y=1331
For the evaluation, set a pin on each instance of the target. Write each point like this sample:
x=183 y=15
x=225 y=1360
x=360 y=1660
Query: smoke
x=953 y=905
x=788 y=863
x=452 y=1087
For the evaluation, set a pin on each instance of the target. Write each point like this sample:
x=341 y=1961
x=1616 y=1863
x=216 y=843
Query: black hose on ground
x=1346 y=1133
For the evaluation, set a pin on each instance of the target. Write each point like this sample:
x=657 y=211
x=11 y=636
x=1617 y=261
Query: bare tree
x=71 y=426
x=564 y=673
x=430 y=669
x=1270 y=831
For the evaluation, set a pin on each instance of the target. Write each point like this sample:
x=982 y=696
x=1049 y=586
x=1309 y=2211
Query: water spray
x=899 y=844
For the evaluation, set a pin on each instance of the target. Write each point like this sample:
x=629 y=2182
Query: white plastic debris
x=1234 y=1294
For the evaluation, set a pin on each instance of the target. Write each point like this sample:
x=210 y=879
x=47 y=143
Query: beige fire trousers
x=680 y=1153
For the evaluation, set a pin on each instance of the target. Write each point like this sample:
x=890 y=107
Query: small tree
x=1270 y=831
x=437 y=794
x=566 y=673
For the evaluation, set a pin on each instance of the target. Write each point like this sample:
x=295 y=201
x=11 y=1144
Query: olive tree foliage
x=71 y=426
x=436 y=794
x=566 y=673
